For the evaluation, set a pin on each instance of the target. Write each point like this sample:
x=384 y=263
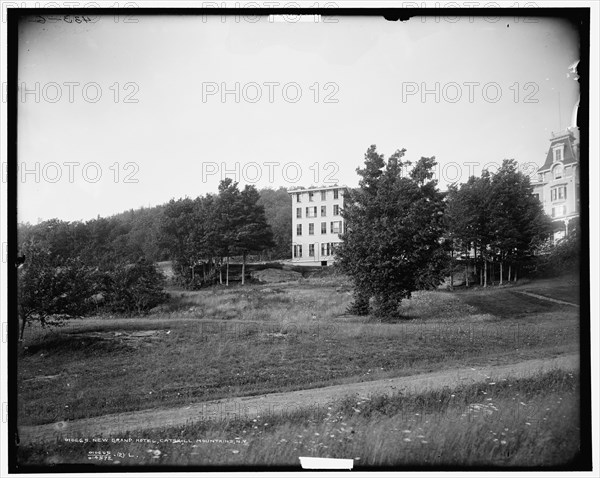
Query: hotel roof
x=566 y=138
x=314 y=189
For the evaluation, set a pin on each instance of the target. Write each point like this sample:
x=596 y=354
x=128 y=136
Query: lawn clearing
x=564 y=288
x=239 y=341
x=508 y=303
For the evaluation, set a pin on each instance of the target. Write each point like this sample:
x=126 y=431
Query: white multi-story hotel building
x=557 y=182
x=316 y=224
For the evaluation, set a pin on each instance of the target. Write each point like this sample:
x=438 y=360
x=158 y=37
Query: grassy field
x=236 y=341
x=527 y=423
x=566 y=289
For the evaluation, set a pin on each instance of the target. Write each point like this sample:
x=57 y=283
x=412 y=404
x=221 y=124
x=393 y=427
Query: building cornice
x=311 y=190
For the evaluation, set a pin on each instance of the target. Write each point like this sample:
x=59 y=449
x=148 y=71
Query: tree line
x=136 y=234
x=52 y=289
x=71 y=269
x=495 y=220
x=204 y=233
x=404 y=234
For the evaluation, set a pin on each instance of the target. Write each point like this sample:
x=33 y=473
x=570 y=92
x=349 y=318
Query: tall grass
x=527 y=422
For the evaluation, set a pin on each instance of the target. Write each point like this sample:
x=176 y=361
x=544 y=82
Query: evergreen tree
x=227 y=220
x=277 y=204
x=177 y=236
x=518 y=224
x=496 y=218
x=253 y=234
x=394 y=232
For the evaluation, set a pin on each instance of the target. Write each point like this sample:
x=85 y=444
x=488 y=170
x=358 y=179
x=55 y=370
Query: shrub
x=562 y=257
x=135 y=288
x=52 y=291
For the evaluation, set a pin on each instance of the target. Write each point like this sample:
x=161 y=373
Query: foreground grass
x=252 y=340
x=527 y=422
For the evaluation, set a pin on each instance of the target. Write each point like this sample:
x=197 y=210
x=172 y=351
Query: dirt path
x=543 y=297
x=277 y=403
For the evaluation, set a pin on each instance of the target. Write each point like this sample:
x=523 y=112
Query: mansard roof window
x=558 y=153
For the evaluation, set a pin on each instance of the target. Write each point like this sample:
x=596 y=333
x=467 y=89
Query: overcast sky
x=161 y=128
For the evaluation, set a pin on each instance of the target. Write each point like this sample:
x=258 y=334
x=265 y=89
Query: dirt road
x=277 y=403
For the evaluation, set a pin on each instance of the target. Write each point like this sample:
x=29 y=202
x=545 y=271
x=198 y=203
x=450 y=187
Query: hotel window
x=324 y=250
x=559 y=211
x=336 y=210
x=297 y=251
x=336 y=227
x=323 y=195
x=311 y=196
x=299 y=230
x=323 y=228
x=298 y=197
x=311 y=229
x=299 y=212
x=558 y=172
x=311 y=211
x=335 y=194
x=323 y=211
x=559 y=193
x=311 y=250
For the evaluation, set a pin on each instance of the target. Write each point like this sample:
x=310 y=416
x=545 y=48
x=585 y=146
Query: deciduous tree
x=51 y=293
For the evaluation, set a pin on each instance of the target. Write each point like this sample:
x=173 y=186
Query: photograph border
x=579 y=18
